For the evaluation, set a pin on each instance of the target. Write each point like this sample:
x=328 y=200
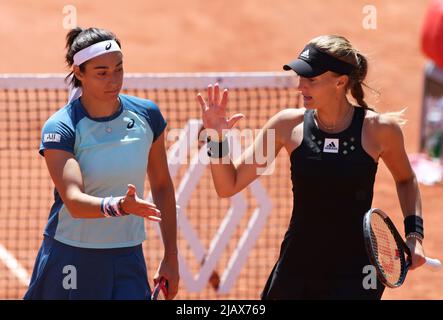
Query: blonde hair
x=340 y=48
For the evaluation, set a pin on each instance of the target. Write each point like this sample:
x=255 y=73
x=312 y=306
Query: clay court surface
x=249 y=35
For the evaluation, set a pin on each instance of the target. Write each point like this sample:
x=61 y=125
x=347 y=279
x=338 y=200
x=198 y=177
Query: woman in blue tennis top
x=98 y=149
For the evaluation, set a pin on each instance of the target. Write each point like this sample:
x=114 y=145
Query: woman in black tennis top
x=323 y=253
x=334 y=147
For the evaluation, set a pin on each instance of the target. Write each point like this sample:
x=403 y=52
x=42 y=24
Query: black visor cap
x=313 y=62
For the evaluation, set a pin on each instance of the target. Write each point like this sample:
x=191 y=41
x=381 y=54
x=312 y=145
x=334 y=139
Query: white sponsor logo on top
x=51 y=137
x=331 y=146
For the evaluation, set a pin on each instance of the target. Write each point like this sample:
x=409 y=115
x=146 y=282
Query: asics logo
x=130 y=124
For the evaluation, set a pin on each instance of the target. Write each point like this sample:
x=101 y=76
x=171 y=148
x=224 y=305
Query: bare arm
x=163 y=193
x=67 y=177
x=233 y=177
x=394 y=155
x=164 y=197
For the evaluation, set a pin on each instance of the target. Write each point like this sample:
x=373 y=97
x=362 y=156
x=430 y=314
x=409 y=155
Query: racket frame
x=404 y=252
x=161 y=286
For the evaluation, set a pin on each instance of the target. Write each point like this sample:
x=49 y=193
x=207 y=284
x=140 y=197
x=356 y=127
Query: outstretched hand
x=132 y=204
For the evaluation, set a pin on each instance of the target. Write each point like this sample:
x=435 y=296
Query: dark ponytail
x=78 y=39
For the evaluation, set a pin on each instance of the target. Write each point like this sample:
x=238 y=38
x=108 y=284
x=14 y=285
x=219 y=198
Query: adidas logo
x=331 y=146
x=305 y=54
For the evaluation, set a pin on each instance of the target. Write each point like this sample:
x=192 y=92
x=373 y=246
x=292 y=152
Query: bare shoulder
x=384 y=126
x=285 y=121
x=287 y=117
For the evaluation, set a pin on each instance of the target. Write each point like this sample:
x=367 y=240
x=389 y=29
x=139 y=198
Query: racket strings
x=386 y=250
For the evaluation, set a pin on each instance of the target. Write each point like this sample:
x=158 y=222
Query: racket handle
x=433 y=264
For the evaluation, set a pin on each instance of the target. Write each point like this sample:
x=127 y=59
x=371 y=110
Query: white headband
x=95 y=50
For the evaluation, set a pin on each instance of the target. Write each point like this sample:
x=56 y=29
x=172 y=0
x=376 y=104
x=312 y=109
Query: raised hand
x=214 y=112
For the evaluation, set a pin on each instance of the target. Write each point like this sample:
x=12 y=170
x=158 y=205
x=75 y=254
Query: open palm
x=214 y=111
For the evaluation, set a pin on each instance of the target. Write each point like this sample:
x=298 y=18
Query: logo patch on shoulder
x=331 y=145
x=51 y=137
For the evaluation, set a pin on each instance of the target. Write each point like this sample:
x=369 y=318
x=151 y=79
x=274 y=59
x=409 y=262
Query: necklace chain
x=108 y=128
x=334 y=126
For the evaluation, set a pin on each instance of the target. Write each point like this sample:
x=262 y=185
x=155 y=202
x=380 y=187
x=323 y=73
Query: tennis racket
x=387 y=250
x=160 y=290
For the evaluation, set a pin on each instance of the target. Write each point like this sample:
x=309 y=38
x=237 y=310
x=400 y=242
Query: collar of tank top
x=337 y=125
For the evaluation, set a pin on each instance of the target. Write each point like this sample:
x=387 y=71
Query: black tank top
x=333 y=179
